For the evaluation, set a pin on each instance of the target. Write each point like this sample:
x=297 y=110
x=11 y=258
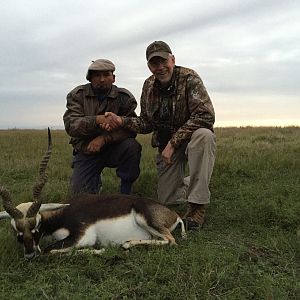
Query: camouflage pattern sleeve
x=76 y=123
x=201 y=110
x=140 y=124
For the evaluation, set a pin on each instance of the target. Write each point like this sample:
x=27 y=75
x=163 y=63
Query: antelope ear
x=4 y=215
x=51 y=206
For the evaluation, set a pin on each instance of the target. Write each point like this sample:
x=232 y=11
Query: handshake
x=109 y=121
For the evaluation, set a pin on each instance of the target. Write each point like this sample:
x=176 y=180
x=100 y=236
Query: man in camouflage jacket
x=176 y=107
x=95 y=145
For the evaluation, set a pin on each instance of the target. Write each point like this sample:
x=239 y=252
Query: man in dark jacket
x=176 y=107
x=95 y=145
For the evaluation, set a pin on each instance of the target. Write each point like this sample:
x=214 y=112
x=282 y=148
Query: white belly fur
x=61 y=234
x=114 y=231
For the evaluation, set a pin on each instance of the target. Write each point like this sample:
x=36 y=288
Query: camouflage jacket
x=191 y=108
x=82 y=108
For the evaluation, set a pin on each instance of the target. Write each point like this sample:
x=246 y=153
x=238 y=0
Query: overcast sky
x=246 y=52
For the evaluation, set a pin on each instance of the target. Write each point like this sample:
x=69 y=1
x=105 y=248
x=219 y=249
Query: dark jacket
x=83 y=107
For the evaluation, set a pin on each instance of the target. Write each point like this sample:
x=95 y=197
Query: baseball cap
x=158 y=48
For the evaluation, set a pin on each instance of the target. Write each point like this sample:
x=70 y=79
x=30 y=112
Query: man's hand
x=96 y=144
x=167 y=153
x=114 y=119
x=108 y=121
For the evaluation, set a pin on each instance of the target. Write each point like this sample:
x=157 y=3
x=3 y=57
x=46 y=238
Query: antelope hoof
x=126 y=245
x=173 y=243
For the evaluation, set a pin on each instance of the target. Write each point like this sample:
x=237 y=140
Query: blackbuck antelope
x=88 y=220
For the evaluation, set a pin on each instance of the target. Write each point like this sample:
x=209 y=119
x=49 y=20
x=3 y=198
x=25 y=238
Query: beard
x=101 y=90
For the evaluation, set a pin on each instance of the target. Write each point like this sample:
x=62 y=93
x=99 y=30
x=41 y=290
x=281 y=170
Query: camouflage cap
x=100 y=65
x=158 y=48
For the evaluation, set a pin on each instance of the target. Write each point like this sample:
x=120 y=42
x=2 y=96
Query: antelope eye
x=34 y=230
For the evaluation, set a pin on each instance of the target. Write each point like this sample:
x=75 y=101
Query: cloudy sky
x=246 y=52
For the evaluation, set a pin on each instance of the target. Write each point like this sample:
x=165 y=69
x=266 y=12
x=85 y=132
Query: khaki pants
x=199 y=153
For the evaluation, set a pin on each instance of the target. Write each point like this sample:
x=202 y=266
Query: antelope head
x=26 y=217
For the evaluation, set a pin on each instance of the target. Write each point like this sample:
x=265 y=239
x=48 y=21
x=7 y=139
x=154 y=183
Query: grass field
x=248 y=249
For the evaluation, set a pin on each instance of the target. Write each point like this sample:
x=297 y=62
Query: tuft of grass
x=248 y=248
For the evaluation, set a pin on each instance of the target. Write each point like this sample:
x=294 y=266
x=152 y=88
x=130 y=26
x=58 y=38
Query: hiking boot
x=194 y=217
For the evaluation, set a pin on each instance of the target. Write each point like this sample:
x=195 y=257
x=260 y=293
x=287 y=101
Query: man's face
x=162 y=68
x=102 y=80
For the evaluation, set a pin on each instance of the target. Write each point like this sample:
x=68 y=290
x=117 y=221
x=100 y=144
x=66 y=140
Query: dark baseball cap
x=158 y=48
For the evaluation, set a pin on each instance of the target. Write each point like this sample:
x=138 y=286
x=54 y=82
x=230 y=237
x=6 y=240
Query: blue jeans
x=124 y=156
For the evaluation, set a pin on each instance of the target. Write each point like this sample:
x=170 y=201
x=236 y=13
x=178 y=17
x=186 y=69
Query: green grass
x=248 y=249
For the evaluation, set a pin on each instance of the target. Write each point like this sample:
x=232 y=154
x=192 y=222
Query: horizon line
x=215 y=127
